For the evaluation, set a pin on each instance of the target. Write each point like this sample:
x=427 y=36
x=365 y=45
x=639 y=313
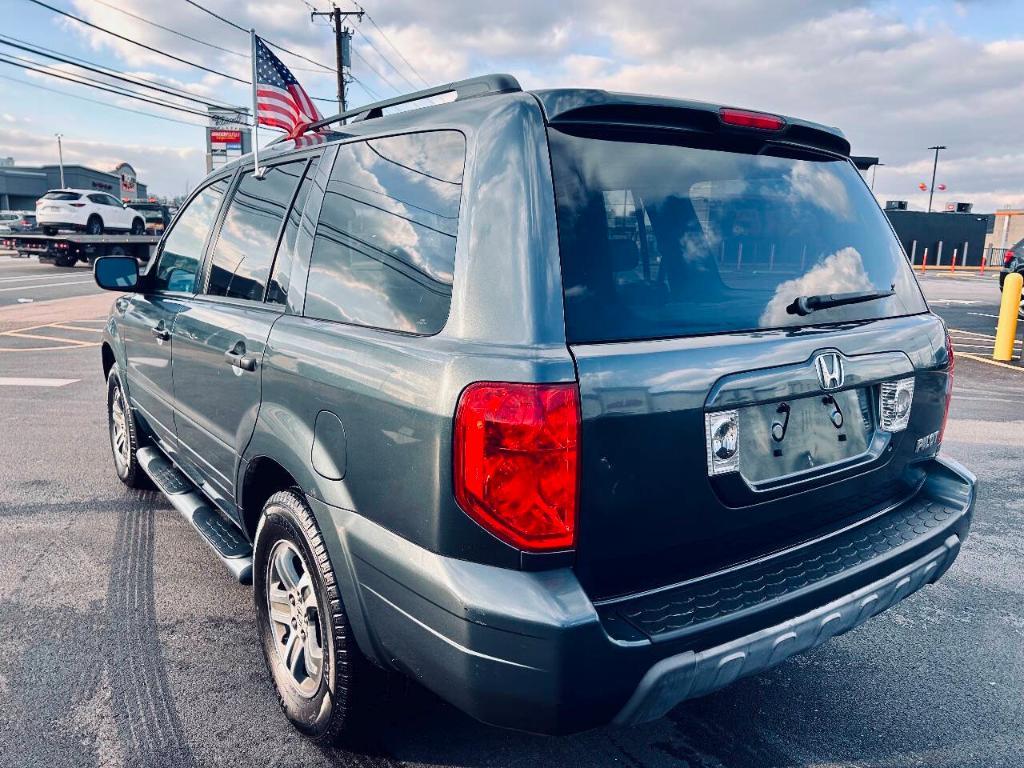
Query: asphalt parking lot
x=124 y=642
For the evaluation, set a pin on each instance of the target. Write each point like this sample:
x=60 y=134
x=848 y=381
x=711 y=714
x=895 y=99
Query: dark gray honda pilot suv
x=570 y=405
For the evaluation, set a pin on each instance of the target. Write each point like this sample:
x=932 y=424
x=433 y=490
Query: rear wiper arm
x=804 y=305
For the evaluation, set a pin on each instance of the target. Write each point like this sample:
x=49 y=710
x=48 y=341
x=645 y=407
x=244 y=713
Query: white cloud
x=894 y=84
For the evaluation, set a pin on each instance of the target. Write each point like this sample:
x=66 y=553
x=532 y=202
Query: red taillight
x=949 y=385
x=1007 y=258
x=746 y=119
x=516 y=459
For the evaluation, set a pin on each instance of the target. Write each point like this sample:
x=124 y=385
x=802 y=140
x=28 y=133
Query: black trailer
x=66 y=250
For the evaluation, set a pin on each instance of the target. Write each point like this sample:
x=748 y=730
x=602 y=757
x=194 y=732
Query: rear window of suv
x=61 y=196
x=660 y=240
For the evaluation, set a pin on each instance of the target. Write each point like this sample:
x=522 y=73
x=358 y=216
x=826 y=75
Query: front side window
x=245 y=247
x=182 y=251
x=384 y=252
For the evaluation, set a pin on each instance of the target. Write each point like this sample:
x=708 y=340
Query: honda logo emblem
x=829 y=366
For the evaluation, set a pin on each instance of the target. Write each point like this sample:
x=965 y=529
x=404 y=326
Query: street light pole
x=60 y=157
x=935 y=165
x=874 y=171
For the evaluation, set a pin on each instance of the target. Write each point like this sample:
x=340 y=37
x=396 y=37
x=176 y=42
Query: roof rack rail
x=463 y=89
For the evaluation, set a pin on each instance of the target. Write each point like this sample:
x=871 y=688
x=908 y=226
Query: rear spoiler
x=594 y=107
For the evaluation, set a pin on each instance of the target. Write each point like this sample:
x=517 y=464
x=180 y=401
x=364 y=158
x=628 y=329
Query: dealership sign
x=232 y=139
x=227 y=136
x=129 y=182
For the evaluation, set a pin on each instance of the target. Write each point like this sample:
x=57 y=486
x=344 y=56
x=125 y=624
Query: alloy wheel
x=119 y=429
x=294 y=612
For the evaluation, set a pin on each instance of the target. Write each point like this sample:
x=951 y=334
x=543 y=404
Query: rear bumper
x=531 y=651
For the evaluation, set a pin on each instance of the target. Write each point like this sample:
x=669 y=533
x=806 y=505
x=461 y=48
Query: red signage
x=226 y=137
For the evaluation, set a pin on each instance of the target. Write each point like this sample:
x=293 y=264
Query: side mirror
x=116 y=273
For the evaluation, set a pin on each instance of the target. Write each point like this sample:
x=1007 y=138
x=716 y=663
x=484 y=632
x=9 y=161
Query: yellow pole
x=1006 y=330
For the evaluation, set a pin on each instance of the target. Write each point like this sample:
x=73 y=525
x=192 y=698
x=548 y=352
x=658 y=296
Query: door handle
x=160 y=332
x=236 y=357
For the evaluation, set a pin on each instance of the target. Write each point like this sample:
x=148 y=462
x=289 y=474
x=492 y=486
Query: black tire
x=49 y=231
x=65 y=261
x=94 y=226
x=126 y=463
x=138 y=227
x=335 y=708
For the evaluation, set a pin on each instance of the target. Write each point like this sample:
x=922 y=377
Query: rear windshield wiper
x=804 y=305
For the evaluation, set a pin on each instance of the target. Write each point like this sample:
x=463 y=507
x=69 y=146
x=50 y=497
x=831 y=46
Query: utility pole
x=342 y=46
x=935 y=165
x=60 y=157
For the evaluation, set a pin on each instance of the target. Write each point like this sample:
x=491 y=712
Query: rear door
x=719 y=423
x=150 y=316
x=221 y=334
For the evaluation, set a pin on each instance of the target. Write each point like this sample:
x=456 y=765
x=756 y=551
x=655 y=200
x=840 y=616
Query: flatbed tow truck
x=67 y=249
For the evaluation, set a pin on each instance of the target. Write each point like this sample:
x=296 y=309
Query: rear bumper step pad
x=691 y=674
x=222 y=536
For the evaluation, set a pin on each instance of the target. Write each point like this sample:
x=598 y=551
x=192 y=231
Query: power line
x=136 y=42
x=240 y=28
x=184 y=35
x=112 y=74
x=144 y=20
x=386 y=59
x=375 y=71
x=101 y=103
x=116 y=92
x=366 y=89
x=395 y=47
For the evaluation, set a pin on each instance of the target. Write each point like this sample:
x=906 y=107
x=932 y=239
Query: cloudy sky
x=897 y=77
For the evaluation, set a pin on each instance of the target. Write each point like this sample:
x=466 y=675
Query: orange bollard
x=924 y=260
x=952 y=264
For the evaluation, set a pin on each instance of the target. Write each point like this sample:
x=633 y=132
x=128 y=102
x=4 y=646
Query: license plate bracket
x=804 y=434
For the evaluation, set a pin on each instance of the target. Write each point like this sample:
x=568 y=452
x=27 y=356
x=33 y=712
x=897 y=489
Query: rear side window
x=660 y=240
x=384 y=252
x=248 y=238
x=280 y=279
x=61 y=196
x=182 y=251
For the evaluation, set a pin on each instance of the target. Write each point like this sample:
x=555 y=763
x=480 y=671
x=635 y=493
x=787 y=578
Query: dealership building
x=22 y=185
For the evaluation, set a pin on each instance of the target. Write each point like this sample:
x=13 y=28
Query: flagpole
x=255 y=108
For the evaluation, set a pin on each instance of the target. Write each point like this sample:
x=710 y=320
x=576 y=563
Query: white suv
x=88 y=211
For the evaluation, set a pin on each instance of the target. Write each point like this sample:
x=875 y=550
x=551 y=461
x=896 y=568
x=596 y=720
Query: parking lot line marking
x=75 y=342
x=80 y=345
x=983 y=314
x=988 y=347
x=16 y=382
x=44 y=285
x=985 y=360
x=76 y=328
x=23 y=278
x=973 y=333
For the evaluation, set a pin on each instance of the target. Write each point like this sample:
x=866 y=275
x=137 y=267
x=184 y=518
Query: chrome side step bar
x=222 y=536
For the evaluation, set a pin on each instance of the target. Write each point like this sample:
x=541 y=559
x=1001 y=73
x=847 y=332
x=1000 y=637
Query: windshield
x=661 y=240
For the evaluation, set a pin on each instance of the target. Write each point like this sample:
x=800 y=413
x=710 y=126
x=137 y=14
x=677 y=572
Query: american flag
x=280 y=100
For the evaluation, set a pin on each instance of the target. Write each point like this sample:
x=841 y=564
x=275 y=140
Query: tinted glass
x=245 y=247
x=61 y=196
x=384 y=252
x=277 y=291
x=662 y=240
x=182 y=251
